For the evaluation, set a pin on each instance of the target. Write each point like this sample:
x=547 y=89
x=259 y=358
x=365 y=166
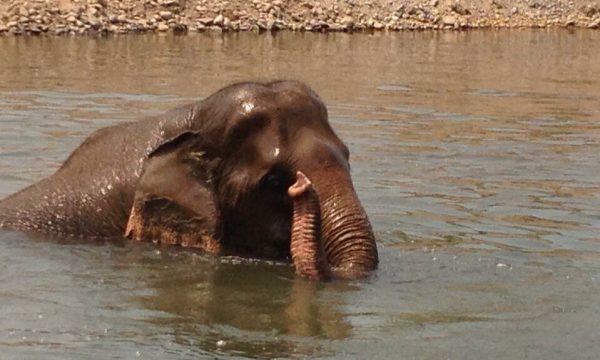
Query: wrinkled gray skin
x=253 y=170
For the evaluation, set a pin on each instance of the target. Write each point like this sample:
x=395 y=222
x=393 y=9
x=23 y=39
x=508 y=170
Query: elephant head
x=256 y=170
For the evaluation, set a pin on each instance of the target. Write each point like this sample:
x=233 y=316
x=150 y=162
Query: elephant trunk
x=348 y=238
x=306 y=246
x=330 y=230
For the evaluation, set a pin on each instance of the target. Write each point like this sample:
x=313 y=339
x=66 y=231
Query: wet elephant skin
x=212 y=175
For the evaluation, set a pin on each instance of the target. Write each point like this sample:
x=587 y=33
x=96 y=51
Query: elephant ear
x=174 y=201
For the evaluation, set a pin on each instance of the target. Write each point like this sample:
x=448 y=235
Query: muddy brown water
x=477 y=156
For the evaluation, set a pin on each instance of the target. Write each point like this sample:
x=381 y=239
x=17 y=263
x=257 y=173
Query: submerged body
x=237 y=173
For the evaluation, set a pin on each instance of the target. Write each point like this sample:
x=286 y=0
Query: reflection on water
x=137 y=296
x=245 y=307
x=475 y=155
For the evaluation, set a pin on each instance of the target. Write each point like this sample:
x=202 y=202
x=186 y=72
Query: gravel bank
x=123 y=16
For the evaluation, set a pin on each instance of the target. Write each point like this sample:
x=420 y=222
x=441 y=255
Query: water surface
x=475 y=154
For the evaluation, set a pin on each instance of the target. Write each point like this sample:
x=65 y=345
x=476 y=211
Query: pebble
x=166 y=15
x=348 y=21
x=121 y=16
x=205 y=21
x=449 y=20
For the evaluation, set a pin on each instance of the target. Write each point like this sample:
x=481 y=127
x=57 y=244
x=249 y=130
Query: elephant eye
x=276 y=180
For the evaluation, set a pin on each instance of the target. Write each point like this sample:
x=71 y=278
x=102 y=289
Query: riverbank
x=20 y=17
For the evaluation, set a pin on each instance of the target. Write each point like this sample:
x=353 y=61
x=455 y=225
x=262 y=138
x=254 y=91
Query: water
x=475 y=154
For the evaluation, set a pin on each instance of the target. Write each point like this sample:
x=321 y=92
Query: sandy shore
x=122 y=16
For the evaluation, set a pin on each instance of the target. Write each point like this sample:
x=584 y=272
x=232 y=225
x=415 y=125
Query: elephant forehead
x=245 y=100
x=250 y=100
x=271 y=119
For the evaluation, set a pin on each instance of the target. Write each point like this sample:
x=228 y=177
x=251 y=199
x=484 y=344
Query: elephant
x=253 y=170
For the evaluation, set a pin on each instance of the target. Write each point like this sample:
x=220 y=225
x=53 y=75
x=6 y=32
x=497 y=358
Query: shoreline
x=100 y=17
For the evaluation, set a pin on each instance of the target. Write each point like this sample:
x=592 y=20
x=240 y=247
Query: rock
x=459 y=9
x=35 y=30
x=335 y=27
x=180 y=28
x=15 y=31
x=245 y=26
x=32 y=16
x=348 y=21
x=205 y=21
x=497 y=4
x=168 y=2
x=590 y=10
x=95 y=23
x=449 y=20
x=166 y=15
x=535 y=5
x=270 y=24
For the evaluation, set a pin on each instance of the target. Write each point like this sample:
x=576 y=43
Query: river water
x=476 y=155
